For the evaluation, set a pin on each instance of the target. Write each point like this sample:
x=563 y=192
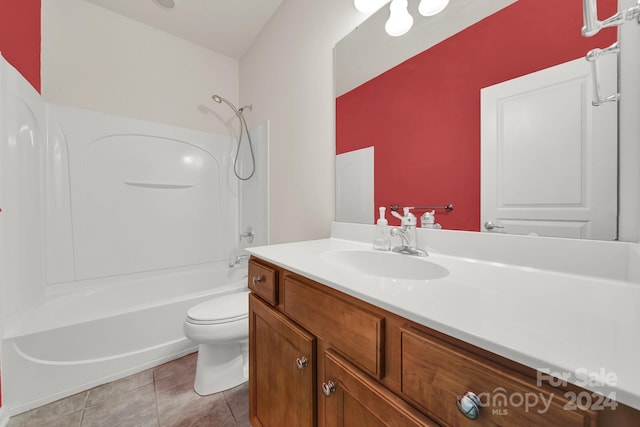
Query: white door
x=548 y=156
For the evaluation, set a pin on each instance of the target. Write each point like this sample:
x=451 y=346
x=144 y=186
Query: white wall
x=288 y=77
x=95 y=59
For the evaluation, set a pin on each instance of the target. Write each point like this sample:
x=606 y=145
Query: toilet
x=221 y=328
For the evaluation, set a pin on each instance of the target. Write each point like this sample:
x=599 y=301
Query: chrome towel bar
x=448 y=207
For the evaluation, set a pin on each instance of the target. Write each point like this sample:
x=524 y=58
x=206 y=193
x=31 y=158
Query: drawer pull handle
x=328 y=388
x=257 y=280
x=469 y=405
x=302 y=362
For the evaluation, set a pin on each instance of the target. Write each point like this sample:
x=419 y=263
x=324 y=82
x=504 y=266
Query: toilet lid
x=224 y=309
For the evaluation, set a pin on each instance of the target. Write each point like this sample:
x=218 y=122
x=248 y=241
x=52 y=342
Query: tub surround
x=555 y=305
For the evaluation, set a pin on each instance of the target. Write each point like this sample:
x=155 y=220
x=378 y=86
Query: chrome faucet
x=237 y=260
x=407 y=233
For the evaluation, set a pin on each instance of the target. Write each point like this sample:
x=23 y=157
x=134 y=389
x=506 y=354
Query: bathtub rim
x=58 y=293
x=22 y=345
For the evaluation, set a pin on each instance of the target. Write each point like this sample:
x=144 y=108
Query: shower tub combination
x=75 y=340
x=138 y=221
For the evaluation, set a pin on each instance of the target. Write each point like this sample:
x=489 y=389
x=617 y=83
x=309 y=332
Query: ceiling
x=228 y=27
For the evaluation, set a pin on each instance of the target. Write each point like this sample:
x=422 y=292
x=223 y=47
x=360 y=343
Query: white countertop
x=552 y=321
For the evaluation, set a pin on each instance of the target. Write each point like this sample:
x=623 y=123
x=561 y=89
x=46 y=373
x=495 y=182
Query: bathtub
x=84 y=334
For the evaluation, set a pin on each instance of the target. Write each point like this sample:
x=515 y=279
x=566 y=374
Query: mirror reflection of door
x=548 y=156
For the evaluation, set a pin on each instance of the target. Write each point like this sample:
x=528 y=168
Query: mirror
x=412 y=103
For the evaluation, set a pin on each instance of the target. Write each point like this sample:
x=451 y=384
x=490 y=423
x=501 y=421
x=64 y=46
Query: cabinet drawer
x=353 y=399
x=434 y=373
x=351 y=330
x=263 y=281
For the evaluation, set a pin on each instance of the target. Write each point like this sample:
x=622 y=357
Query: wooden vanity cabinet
x=303 y=336
x=319 y=357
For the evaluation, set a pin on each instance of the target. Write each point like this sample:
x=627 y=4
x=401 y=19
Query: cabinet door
x=281 y=369
x=353 y=399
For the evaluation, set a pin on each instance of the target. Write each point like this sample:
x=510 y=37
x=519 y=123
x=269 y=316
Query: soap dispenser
x=381 y=240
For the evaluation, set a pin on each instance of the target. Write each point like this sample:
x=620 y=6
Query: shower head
x=243 y=130
x=220 y=100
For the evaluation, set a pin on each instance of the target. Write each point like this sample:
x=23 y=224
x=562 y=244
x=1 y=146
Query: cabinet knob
x=328 y=388
x=257 y=280
x=469 y=404
x=301 y=362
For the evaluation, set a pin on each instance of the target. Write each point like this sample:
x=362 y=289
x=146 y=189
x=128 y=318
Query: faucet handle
x=397 y=215
x=408 y=219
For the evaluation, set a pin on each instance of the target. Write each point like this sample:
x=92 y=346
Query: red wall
x=423 y=116
x=20 y=37
x=20 y=43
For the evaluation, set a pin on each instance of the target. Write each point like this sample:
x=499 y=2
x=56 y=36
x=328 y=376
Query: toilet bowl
x=221 y=328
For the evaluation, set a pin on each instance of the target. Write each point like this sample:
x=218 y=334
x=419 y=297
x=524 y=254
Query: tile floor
x=160 y=397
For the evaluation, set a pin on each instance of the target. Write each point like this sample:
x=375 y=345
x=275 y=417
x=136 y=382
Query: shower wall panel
x=142 y=196
x=254 y=193
x=22 y=136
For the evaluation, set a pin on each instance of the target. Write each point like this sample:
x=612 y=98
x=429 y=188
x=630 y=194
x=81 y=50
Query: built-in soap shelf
x=158 y=185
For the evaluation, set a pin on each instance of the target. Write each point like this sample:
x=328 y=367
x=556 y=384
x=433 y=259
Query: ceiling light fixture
x=167 y=4
x=400 y=20
x=432 y=7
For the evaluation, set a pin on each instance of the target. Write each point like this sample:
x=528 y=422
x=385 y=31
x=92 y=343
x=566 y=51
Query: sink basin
x=385 y=264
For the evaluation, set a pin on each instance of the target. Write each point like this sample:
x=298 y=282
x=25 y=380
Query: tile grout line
x=84 y=406
x=155 y=395
x=235 y=418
